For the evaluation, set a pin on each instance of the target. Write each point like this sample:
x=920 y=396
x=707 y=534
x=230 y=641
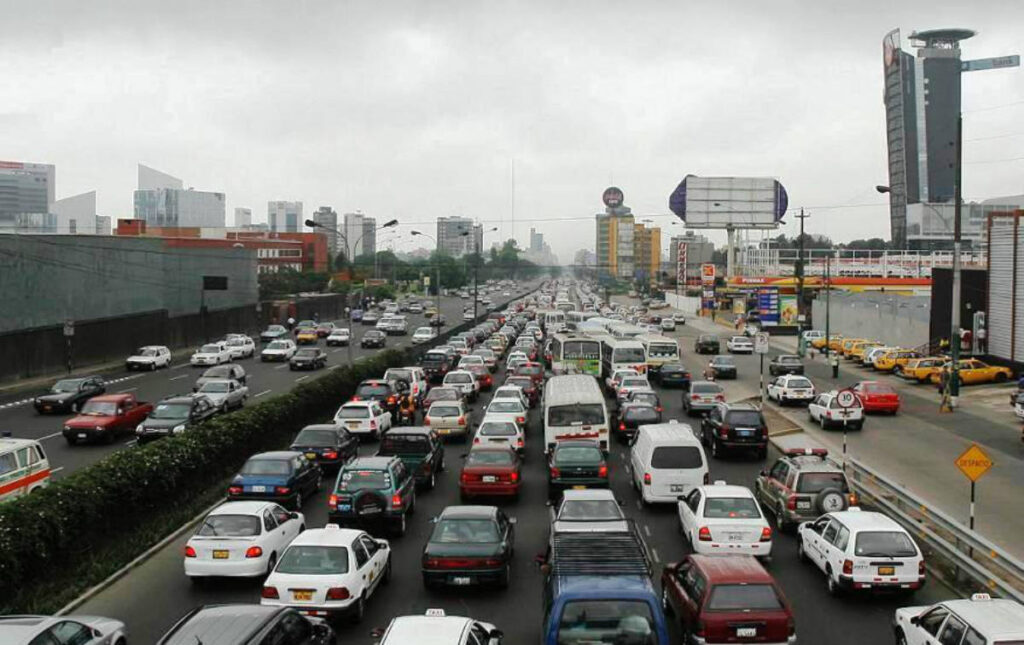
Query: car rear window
x=431 y=359
x=495 y=429
x=505 y=406
x=316 y=438
x=443 y=411
x=394 y=444
x=591 y=622
x=576 y=413
x=267 y=467
x=878 y=388
x=674 y=457
x=744 y=418
x=578 y=455
x=799 y=383
x=489 y=458
x=463 y=531
x=459 y=378
x=522 y=383
x=368 y=390
x=230 y=526
x=705 y=388
x=740 y=597
x=817 y=482
x=640 y=413
x=314 y=560
x=352 y=480
x=354 y=412
x=744 y=508
x=878 y=544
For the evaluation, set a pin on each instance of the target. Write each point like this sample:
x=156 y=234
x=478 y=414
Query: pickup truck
x=106 y=417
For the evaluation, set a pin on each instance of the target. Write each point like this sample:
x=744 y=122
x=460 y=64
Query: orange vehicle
x=847 y=344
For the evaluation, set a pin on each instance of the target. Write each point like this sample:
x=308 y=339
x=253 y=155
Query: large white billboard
x=729 y=202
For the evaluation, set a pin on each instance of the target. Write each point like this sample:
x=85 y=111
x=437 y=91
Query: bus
x=575 y=354
x=574 y=408
x=626 y=331
x=660 y=350
x=574 y=318
x=619 y=354
x=552 y=321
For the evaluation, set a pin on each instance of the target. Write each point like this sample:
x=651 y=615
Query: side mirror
x=681 y=498
x=293 y=515
x=383 y=544
x=512 y=520
x=915 y=620
x=496 y=634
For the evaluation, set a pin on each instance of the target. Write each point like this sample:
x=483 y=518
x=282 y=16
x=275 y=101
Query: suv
x=707 y=344
x=802 y=485
x=734 y=426
x=374 y=492
x=786 y=364
x=175 y=415
x=248 y=624
x=384 y=392
x=414 y=376
x=420 y=449
x=435 y=365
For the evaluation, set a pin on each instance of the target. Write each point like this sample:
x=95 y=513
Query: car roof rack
x=599 y=554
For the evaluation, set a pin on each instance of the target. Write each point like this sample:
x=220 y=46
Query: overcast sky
x=414 y=110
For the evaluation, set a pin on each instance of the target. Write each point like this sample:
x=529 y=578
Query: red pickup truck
x=105 y=417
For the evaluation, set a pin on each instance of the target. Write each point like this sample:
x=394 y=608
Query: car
x=811 y=335
x=724 y=520
x=230 y=371
x=978 y=619
x=469 y=545
x=415 y=308
x=378 y=493
x=282 y=476
x=68 y=394
x=356 y=315
x=590 y=510
x=438 y=320
x=423 y=335
x=248 y=624
x=240 y=346
x=507 y=410
x=785 y=364
x=671 y=374
x=858 y=351
x=106 y=417
x=726 y=600
x=373 y=338
x=513 y=392
x=324 y=329
x=861 y=550
x=734 y=426
x=225 y=394
x=576 y=464
x=629 y=384
x=611 y=383
x=240 y=540
x=972 y=372
x=339 y=337
x=631 y=416
x=465 y=360
x=679 y=318
x=465 y=381
x=643 y=395
x=872 y=355
x=449 y=419
x=720 y=367
x=528 y=387
x=826 y=411
x=329 y=573
x=414 y=376
x=667 y=324
x=175 y=415
x=847 y=344
x=498 y=432
x=921 y=369
x=437 y=628
x=364 y=418
x=419 y=448
x=436 y=364
x=702 y=396
x=385 y=392
x=488 y=356
x=211 y=354
x=877 y=396
x=370 y=317
x=791 y=388
x=707 y=344
x=273 y=332
x=483 y=376
x=57 y=630
x=739 y=345
x=801 y=485
x=308 y=358
x=328 y=444
x=895 y=360
x=149 y=357
x=491 y=470
x=468 y=314
x=278 y=350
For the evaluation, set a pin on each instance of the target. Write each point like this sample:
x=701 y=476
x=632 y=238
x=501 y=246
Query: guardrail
x=970 y=555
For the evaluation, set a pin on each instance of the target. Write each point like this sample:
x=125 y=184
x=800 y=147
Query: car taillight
x=282 y=490
x=766 y=534
x=396 y=500
x=391 y=400
x=602 y=471
x=338 y=593
x=426 y=421
x=720 y=397
x=476 y=440
x=356 y=398
x=330 y=454
x=695 y=397
x=373 y=424
x=270 y=593
x=234 y=490
x=791 y=502
x=647 y=479
x=520 y=443
x=707 y=478
x=515 y=477
x=704 y=534
x=332 y=501
x=520 y=420
x=659 y=409
x=254 y=552
x=462 y=421
x=847 y=567
x=190 y=552
x=854 y=499
x=920 y=568
x=723 y=431
x=555 y=472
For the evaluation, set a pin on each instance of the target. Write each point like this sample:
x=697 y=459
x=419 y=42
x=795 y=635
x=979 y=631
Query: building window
x=72 y=227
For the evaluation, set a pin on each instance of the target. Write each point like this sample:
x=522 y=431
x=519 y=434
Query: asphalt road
x=152 y=596
x=264 y=379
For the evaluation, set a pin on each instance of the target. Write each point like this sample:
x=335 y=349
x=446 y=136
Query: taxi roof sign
x=435 y=613
x=973 y=463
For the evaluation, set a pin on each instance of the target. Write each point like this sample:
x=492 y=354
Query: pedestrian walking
x=945 y=402
x=982 y=335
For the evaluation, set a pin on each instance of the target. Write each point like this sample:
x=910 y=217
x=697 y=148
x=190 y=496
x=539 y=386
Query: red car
x=877 y=397
x=490 y=471
x=528 y=386
x=105 y=417
x=532 y=369
x=483 y=375
x=729 y=599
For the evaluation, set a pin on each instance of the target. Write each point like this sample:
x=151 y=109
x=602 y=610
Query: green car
x=419 y=448
x=373 y=493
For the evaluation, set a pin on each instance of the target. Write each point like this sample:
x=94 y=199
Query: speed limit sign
x=846 y=399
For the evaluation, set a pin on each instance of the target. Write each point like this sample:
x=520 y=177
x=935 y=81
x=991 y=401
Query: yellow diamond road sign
x=973 y=463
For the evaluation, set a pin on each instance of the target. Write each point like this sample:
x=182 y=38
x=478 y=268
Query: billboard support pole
x=730 y=250
x=954 y=338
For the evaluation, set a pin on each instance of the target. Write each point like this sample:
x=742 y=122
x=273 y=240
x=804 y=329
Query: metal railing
x=968 y=554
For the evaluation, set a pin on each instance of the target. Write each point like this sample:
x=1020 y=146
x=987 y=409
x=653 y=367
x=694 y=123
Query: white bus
x=552 y=321
x=625 y=331
x=574 y=318
x=574 y=409
x=575 y=354
x=622 y=354
x=660 y=350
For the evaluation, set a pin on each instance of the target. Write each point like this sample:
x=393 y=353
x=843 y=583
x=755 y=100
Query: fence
x=889 y=318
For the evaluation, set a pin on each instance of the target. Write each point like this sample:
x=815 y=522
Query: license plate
x=497 y=441
x=302 y=594
x=744 y=433
x=489 y=479
x=579 y=487
x=803 y=505
x=258 y=489
x=886 y=571
x=81 y=435
x=310 y=455
x=344 y=507
x=220 y=555
x=369 y=510
x=460 y=580
x=746 y=632
x=352 y=424
x=444 y=431
x=47 y=408
x=676 y=488
x=735 y=537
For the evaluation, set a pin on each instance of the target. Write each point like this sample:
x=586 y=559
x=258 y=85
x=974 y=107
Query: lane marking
x=647 y=530
x=654 y=555
x=126 y=390
x=178 y=367
x=281 y=367
x=175 y=378
x=51 y=436
x=131 y=443
x=639 y=506
x=262 y=393
x=301 y=378
x=56 y=470
x=335 y=351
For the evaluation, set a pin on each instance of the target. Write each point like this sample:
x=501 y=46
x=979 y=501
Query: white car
x=241 y=539
x=363 y=418
x=630 y=383
x=329 y=572
x=436 y=628
x=791 y=388
x=612 y=382
x=384 y=324
x=279 y=350
x=515 y=359
x=467 y=314
x=667 y=324
x=825 y=411
x=507 y=410
x=679 y=318
x=211 y=354
x=149 y=357
x=719 y=519
x=466 y=360
x=511 y=392
x=423 y=335
x=415 y=308
x=982 y=618
x=739 y=345
x=493 y=432
x=339 y=336
x=861 y=551
x=414 y=376
x=60 y=629
x=812 y=334
x=463 y=381
x=241 y=346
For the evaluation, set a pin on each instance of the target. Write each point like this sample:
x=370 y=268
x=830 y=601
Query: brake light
x=658 y=409
x=330 y=454
x=373 y=424
x=766 y=534
x=332 y=501
x=234 y=490
x=695 y=397
x=555 y=473
x=519 y=442
x=476 y=440
x=724 y=430
x=707 y=478
x=190 y=552
x=622 y=426
x=391 y=400
x=602 y=471
x=270 y=593
x=920 y=568
x=791 y=502
x=396 y=500
x=464 y=477
x=854 y=499
x=704 y=534
x=515 y=477
x=338 y=593
x=462 y=421
x=720 y=397
x=647 y=479
x=254 y=552
x=520 y=419
x=847 y=567
x=426 y=421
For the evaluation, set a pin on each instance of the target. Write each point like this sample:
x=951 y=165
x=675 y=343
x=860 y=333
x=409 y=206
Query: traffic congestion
x=566 y=470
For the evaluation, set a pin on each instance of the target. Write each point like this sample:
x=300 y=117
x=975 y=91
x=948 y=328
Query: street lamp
x=476 y=265
x=437 y=267
x=311 y=224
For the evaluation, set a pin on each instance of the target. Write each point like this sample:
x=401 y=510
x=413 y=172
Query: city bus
x=574 y=318
x=552 y=321
x=618 y=354
x=660 y=350
x=574 y=408
x=575 y=354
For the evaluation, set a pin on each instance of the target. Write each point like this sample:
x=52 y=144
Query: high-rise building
x=647 y=253
x=536 y=241
x=327 y=219
x=162 y=201
x=285 y=217
x=360 y=234
x=76 y=215
x=243 y=217
x=26 y=197
x=615 y=247
x=450 y=238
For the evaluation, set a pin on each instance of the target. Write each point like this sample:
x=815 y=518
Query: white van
x=667 y=461
x=23 y=467
x=574 y=408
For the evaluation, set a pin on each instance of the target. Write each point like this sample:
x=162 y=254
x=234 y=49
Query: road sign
x=426 y=281
x=69 y=328
x=846 y=399
x=973 y=463
x=761 y=342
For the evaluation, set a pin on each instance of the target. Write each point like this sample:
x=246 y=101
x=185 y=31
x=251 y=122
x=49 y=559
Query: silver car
x=225 y=394
x=448 y=419
x=702 y=396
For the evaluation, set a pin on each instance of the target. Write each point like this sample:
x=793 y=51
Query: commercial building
x=615 y=248
x=647 y=253
x=536 y=241
x=26 y=197
x=284 y=217
x=104 y=225
x=699 y=251
x=450 y=238
x=360 y=234
x=75 y=215
x=162 y=201
x=243 y=217
x=327 y=218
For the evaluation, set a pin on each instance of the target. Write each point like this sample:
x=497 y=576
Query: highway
x=155 y=594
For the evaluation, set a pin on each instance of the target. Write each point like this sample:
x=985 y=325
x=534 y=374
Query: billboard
x=612 y=197
x=729 y=202
x=707 y=274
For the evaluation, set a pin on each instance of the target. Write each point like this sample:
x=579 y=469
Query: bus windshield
x=585 y=349
x=628 y=355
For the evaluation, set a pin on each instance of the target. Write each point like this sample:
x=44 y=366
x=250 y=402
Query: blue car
x=357 y=315
x=284 y=476
x=672 y=374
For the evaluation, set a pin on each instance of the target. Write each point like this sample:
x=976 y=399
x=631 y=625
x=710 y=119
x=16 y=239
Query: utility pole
x=954 y=336
x=800 y=274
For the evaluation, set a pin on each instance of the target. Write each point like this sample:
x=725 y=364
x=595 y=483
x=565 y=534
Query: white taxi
x=279 y=350
x=507 y=410
x=465 y=382
x=437 y=628
x=861 y=551
x=791 y=388
x=241 y=346
x=719 y=519
x=423 y=335
x=211 y=354
x=975 y=621
x=513 y=392
x=329 y=572
x=363 y=418
x=241 y=539
x=500 y=432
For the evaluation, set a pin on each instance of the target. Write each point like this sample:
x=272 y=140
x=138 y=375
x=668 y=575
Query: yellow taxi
x=972 y=371
x=895 y=360
x=430 y=312
x=847 y=344
x=921 y=369
x=819 y=343
x=306 y=336
x=857 y=350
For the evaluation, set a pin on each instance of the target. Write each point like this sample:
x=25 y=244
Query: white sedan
x=720 y=519
x=241 y=539
x=739 y=345
x=506 y=410
x=667 y=324
x=363 y=418
x=241 y=346
x=329 y=572
x=423 y=335
x=826 y=411
x=493 y=432
x=279 y=350
x=339 y=336
x=790 y=388
x=211 y=354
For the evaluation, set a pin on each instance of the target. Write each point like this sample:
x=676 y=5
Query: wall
x=686 y=304
x=889 y=318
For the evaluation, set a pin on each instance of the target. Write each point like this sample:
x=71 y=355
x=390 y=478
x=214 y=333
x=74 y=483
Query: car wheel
x=152 y=367
x=901 y=638
x=71 y=440
x=821 y=420
x=412 y=505
x=441 y=466
x=359 y=609
x=898 y=371
x=431 y=482
x=831 y=584
x=780 y=520
x=666 y=606
x=271 y=563
x=716 y=450
x=386 y=576
x=801 y=555
x=399 y=526
x=504 y=576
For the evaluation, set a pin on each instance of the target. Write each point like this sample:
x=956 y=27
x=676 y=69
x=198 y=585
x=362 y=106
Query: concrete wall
x=889 y=318
x=686 y=304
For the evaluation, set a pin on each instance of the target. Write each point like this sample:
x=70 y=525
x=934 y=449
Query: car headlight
x=67 y=428
x=178 y=429
x=139 y=429
x=100 y=428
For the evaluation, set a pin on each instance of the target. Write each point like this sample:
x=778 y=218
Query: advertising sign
x=729 y=202
x=612 y=197
x=768 y=306
x=788 y=310
x=707 y=274
x=681 y=264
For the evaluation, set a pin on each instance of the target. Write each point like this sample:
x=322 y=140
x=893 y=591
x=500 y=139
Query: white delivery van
x=574 y=408
x=667 y=461
x=23 y=467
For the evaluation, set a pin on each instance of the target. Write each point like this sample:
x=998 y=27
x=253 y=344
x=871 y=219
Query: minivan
x=667 y=461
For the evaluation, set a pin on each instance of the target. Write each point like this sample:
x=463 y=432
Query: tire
x=897 y=371
x=398 y=528
x=1000 y=378
x=358 y=610
x=504 y=577
x=74 y=408
x=386 y=576
x=666 y=606
x=297 y=504
x=72 y=441
x=762 y=453
x=801 y=555
x=716 y=450
x=901 y=638
x=432 y=481
x=824 y=425
x=152 y=367
x=271 y=563
x=831 y=585
x=780 y=521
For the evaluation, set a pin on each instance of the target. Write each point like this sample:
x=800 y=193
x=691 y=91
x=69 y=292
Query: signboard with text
x=681 y=264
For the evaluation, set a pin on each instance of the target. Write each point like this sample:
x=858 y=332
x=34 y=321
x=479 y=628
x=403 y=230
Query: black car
x=720 y=367
x=308 y=358
x=248 y=624
x=327 y=444
x=672 y=374
x=283 y=476
x=175 y=415
x=230 y=372
x=435 y=365
x=386 y=393
x=373 y=338
x=631 y=417
x=786 y=364
x=578 y=463
x=373 y=492
x=734 y=426
x=68 y=395
x=707 y=344
x=419 y=448
x=469 y=545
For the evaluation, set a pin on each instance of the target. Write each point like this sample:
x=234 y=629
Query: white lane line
x=281 y=367
x=647 y=530
x=51 y=436
x=178 y=367
x=126 y=390
x=131 y=443
x=262 y=393
x=175 y=378
x=654 y=555
x=639 y=507
x=56 y=470
x=302 y=378
x=335 y=351
x=334 y=367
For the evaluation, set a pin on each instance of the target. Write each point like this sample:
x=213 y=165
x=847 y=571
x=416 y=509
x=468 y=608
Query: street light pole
x=800 y=276
x=476 y=266
x=437 y=283
x=954 y=339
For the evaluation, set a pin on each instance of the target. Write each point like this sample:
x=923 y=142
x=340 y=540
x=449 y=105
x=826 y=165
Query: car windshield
x=661 y=350
x=799 y=383
x=727 y=361
x=465 y=531
x=576 y=414
x=878 y=544
x=99 y=408
x=313 y=560
x=353 y=480
x=578 y=455
x=444 y=411
x=705 y=388
x=170 y=411
x=817 y=482
x=489 y=458
x=497 y=429
x=209 y=349
x=279 y=344
x=505 y=406
x=67 y=385
x=371 y=390
x=586 y=510
x=744 y=418
x=743 y=597
x=404 y=444
x=744 y=508
x=676 y=457
x=444 y=394
x=229 y=526
x=215 y=387
x=353 y=412
x=267 y=467
x=607 y=622
x=313 y=437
